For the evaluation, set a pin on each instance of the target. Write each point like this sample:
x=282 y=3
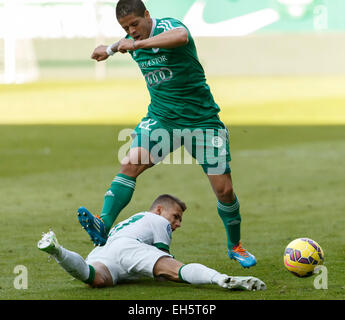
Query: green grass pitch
x=289 y=180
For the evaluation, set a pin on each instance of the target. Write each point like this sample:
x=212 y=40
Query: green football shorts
x=207 y=142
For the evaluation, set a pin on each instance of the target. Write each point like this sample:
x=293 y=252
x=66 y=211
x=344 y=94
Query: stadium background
x=53 y=40
x=276 y=70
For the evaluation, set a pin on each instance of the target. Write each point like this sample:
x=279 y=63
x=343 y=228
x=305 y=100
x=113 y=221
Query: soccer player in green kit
x=180 y=100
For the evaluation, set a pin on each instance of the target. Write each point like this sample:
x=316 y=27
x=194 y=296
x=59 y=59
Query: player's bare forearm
x=166 y=40
x=101 y=53
x=114 y=47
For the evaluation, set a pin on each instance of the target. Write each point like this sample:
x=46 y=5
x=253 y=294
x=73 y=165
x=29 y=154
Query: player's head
x=134 y=18
x=170 y=208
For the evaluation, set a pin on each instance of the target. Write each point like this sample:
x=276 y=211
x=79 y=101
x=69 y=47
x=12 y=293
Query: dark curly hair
x=127 y=7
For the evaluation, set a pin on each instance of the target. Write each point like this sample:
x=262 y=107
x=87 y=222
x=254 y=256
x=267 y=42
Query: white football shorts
x=127 y=258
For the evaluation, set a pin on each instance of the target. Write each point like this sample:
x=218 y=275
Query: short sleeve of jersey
x=167 y=24
x=161 y=232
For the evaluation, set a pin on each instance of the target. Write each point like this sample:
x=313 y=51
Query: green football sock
x=230 y=215
x=116 y=198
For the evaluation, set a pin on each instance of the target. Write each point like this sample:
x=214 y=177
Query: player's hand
x=100 y=53
x=126 y=45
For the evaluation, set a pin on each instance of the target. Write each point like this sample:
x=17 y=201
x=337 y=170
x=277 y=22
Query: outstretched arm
x=170 y=39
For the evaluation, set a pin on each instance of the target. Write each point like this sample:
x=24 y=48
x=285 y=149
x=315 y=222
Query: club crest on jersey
x=217 y=142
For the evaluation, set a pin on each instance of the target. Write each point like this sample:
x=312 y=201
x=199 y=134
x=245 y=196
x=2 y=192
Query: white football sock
x=73 y=263
x=196 y=273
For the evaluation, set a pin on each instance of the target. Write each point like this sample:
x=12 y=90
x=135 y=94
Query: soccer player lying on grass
x=180 y=100
x=139 y=246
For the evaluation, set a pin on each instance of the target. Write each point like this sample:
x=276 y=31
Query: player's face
x=139 y=28
x=173 y=214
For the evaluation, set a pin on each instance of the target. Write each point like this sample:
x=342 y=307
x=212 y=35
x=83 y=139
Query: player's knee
x=137 y=161
x=139 y=156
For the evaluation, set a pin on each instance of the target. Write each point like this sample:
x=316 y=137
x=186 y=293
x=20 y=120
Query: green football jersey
x=175 y=79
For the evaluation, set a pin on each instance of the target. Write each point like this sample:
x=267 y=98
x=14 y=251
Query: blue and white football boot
x=93 y=225
x=241 y=255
